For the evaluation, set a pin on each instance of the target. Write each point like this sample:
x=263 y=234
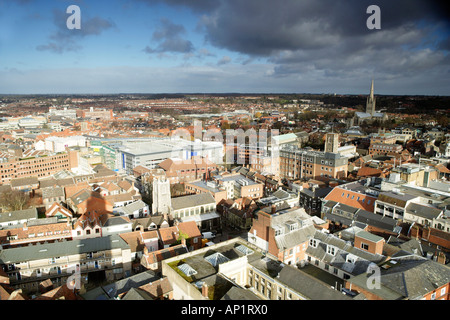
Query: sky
x=224 y=46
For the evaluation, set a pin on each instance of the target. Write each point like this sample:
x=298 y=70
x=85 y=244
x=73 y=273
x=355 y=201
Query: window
x=442 y=291
x=313 y=243
x=331 y=250
x=433 y=296
x=364 y=246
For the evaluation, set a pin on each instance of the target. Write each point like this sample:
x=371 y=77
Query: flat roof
x=369 y=236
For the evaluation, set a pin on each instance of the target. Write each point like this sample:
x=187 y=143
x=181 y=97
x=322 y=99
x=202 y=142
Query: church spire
x=370 y=105
x=371 y=91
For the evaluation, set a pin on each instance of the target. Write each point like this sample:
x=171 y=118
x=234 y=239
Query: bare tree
x=14 y=200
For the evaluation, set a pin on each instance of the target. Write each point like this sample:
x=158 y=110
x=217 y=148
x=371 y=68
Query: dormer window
x=278 y=231
x=291 y=225
x=331 y=250
x=313 y=243
x=350 y=259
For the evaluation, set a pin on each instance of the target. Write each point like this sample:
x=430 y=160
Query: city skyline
x=175 y=46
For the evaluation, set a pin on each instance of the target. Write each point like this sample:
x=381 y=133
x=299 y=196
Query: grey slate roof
x=294 y=238
x=124 y=285
x=192 y=201
x=20 y=182
x=363 y=258
x=28 y=214
x=136 y=294
x=423 y=211
x=64 y=248
x=307 y=286
x=236 y=293
x=375 y=220
x=147 y=221
x=395 y=198
x=115 y=221
x=317 y=192
x=338 y=218
x=134 y=206
x=408 y=278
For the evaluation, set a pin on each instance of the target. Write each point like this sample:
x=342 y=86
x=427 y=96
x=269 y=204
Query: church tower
x=331 y=142
x=162 y=201
x=370 y=105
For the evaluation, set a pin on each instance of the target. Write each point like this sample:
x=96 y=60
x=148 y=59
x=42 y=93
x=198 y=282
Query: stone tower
x=161 y=196
x=370 y=104
x=331 y=142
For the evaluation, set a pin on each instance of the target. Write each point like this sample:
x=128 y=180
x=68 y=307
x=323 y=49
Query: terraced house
x=27 y=266
x=342 y=258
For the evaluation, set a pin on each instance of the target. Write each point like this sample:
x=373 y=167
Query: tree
x=14 y=200
x=177 y=189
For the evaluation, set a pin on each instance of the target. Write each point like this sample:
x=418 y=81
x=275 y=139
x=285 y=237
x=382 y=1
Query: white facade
x=59 y=144
x=116 y=229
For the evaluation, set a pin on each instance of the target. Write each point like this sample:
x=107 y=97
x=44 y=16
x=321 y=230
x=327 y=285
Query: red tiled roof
x=368 y=172
x=350 y=198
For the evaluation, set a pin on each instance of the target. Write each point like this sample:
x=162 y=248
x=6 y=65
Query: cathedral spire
x=370 y=105
x=371 y=91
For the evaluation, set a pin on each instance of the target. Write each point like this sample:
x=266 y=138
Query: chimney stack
x=274 y=209
x=205 y=290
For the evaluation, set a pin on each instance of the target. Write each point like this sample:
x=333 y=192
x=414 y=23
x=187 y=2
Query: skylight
x=244 y=249
x=187 y=269
x=216 y=258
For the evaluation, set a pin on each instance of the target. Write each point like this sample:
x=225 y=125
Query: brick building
x=307 y=164
x=283 y=234
x=37 y=166
x=180 y=171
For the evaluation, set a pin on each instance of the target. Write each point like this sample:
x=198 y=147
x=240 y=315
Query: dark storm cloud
x=314 y=38
x=200 y=6
x=64 y=39
x=264 y=27
x=169 y=35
